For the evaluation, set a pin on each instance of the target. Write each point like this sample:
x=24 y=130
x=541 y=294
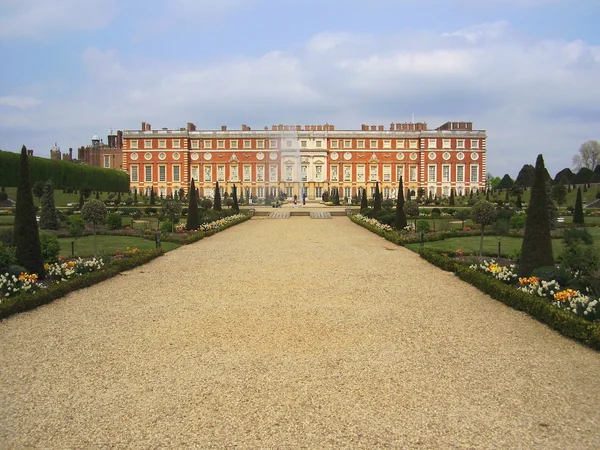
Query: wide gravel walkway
x=291 y=333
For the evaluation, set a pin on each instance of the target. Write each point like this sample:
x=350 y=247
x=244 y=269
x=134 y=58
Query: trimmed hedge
x=26 y=302
x=64 y=174
x=560 y=320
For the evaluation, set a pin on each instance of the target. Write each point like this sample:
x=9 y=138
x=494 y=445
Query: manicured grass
x=62 y=199
x=84 y=246
x=7 y=220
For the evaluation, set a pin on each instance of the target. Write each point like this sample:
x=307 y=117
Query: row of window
x=289 y=175
x=345 y=143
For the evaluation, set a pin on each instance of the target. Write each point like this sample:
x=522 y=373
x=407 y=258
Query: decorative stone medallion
x=148 y=156
x=347 y=156
x=176 y=155
x=460 y=156
x=260 y=156
x=432 y=156
x=134 y=156
x=399 y=156
x=273 y=155
x=208 y=156
x=446 y=156
x=195 y=156
x=162 y=156
x=334 y=156
x=413 y=156
x=474 y=156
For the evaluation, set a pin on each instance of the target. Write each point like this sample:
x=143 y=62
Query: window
x=148 y=173
x=260 y=144
x=460 y=174
x=247 y=144
x=107 y=161
x=177 y=174
x=260 y=172
x=288 y=143
x=334 y=173
x=233 y=144
x=386 y=192
x=360 y=173
x=162 y=174
x=133 y=144
x=195 y=173
x=347 y=144
x=474 y=173
x=148 y=143
x=289 y=191
x=387 y=173
x=460 y=143
x=304 y=170
x=303 y=144
x=318 y=144
x=247 y=173
x=273 y=172
x=446 y=173
x=261 y=191
x=474 y=143
x=273 y=144
x=347 y=192
x=387 y=144
x=334 y=144
x=446 y=143
x=348 y=173
x=176 y=143
x=162 y=143
x=373 y=144
x=220 y=144
x=431 y=172
x=318 y=173
x=414 y=143
x=318 y=192
x=208 y=144
x=208 y=173
x=399 y=143
x=399 y=172
x=195 y=144
x=134 y=174
x=234 y=173
x=360 y=144
x=220 y=173
x=373 y=173
x=412 y=174
x=289 y=170
x=431 y=143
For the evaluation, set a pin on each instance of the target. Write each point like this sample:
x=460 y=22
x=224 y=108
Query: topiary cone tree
x=363 y=201
x=400 y=219
x=236 y=206
x=377 y=200
x=578 y=213
x=451 y=201
x=536 y=250
x=193 y=217
x=26 y=234
x=48 y=216
x=217 y=202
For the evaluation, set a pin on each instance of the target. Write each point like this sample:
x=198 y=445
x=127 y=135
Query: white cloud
x=33 y=19
x=21 y=102
x=475 y=33
x=532 y=97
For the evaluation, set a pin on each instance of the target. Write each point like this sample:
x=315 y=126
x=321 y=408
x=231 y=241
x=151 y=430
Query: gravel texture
x=291 y=333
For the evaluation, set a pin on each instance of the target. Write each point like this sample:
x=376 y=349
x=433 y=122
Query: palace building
x=308 y=159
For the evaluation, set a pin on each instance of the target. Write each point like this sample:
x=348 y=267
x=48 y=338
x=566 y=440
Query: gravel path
x=291 y=333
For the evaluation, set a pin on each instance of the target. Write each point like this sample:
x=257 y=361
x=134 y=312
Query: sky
x=526 y=71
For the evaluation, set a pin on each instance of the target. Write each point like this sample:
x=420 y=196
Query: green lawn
x=84 y=246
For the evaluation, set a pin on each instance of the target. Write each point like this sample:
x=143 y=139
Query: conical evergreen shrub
x=451 y=201
x=26 y=233
x=193 y=217
x=363 y=201
x=536 y=250
x=578 y=213
x=377 y=199
x=400 y=219
x=236 y=206
x=48 y=216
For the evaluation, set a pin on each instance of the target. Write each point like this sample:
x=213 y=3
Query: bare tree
x=588 y=156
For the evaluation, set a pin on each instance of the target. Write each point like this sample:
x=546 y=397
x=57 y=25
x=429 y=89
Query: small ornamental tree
x=135 y=199
x=463 y=214
x=38 y=189
x=377 y=199
x=152 y=197
x=363 y=201
x=48 y=216
x=483 y=213
x=217 y=201
x=76 y=227
x=172 y=210
x=236 y=206
x=578 y=213
x=400 y=219
x=536 y=250
x=94 y=213
x=411 y=208
x=28 y=251
x=451 y=201
x=193 y=217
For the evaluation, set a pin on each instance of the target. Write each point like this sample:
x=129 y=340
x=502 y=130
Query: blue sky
x=527 y=71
